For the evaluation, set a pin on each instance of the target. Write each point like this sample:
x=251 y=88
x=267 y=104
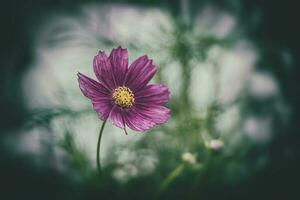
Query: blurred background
x=231 y=67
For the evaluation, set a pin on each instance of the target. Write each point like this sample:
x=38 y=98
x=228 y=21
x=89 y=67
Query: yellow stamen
x=123 y=97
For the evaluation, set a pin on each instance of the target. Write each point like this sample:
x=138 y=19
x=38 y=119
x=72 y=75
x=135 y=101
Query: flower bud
x=188 y=158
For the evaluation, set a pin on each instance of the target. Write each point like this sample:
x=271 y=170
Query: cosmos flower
x=123 y=94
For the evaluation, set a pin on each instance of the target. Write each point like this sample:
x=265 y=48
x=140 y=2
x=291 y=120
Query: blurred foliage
x=167 y=143
x=78 y=158
x=219 y=167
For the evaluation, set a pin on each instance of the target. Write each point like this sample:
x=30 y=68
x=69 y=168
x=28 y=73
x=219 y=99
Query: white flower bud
x=189 y=158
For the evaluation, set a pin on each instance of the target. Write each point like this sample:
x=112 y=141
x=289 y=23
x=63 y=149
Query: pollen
x=123 y=97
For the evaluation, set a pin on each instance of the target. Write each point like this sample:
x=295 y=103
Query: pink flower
x=122 y=94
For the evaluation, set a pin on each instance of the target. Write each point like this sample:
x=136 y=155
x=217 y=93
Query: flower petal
x=103 y=71
x=119 y=61
x=97 y=93
x=137 y=122
x=157 y=114
x=139 y=73
x=142 y=118
x=154 y=94
x=116 y=116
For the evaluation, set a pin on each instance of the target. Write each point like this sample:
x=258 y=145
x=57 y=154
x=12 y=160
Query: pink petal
x=141 y=118
x=137 y=122
x=97 y=93
x=154 y=94
x=103 y=71
x=140 y=73
x=116 y=116
x=119 y=62
x=111 y=70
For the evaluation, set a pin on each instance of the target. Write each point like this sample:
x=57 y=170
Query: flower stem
x=98 y=147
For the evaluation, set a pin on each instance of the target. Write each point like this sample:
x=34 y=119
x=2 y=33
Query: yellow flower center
x=123 y=97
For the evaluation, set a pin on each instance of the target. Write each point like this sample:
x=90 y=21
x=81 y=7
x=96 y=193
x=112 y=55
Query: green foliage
x=214 y=157
x=78 y=158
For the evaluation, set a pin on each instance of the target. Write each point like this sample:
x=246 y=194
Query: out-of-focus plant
x=163 y=157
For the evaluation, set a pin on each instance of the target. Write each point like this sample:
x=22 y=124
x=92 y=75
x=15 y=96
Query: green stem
x=98 y=147
x=172 y=176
